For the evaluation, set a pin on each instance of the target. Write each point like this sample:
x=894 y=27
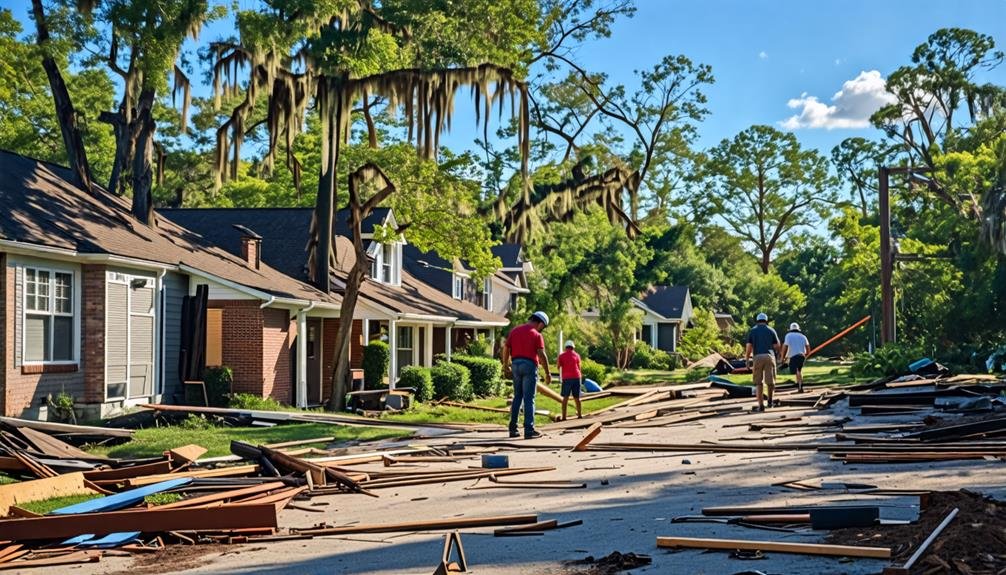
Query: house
x=91 y=301
x=666 y=310
x=417 y=320
x=497 y=293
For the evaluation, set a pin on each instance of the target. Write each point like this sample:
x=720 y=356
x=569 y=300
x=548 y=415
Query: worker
x=522 y=353
x=763 y=343
x=795 y=347
x=571 y=377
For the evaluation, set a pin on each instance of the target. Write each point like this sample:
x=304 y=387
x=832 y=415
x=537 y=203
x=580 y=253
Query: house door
x=313 y=361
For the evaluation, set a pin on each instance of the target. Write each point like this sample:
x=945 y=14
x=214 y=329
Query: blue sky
x=764 y=54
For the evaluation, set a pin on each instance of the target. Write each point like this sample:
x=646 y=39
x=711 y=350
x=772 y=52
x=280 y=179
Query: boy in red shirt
x=569 y=373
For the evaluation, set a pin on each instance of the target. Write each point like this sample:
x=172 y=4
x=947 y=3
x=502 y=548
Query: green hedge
x=418 y=378
x=218 y=385
x=451 y=380
x=485 y=373
x=376 y=360
x=593 y=370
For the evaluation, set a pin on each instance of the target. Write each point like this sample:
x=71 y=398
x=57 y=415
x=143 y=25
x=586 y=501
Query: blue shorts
x=571 y=387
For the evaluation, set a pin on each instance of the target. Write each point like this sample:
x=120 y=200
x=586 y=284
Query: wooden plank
x=156 y=468
x=777 y=546
x=53 y=447
x=50 y=427
x=428 y=525
x=593 y=431
x=187 y=453
x=39 y=489
x=147 y=521
x=68 y=559
x=549 y=392
x=223 y=496
x=539 y=526
x=238 y=471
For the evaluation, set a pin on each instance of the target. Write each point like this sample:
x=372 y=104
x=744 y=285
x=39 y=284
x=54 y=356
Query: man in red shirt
x=522 y=353
x=569 y=374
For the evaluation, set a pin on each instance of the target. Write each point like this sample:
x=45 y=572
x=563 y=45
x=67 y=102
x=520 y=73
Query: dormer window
x=459 y=287
x=386 y=266
x=487 y=294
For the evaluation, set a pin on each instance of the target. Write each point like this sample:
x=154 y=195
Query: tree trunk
x=66 y=115
x=342 y=339
x=143 y=176
x=325 y=202
x=766 y=260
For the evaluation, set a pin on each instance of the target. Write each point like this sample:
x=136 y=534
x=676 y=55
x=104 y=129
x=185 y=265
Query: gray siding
x=117 y=340
x=175 y=288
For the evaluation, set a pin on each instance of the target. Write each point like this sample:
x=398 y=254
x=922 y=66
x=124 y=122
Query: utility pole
x=888 y=331
x=888 y=325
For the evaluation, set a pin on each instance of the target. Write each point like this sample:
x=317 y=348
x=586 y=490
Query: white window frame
x=458 y=286
x=127 y=279
x=487 y=294
x=52 y=313
x=387 y=263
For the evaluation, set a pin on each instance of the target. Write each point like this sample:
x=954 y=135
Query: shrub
x=593 y=370
x=451 y=380
x=480 y=347
x=376 y=359
x=419 y=379
x=218 y=386
x=255 y=403
x=646 y=357
x=892 y=359
x=485 y=372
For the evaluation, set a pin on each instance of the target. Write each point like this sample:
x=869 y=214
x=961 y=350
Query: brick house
x=416 y=319
x=91 y=299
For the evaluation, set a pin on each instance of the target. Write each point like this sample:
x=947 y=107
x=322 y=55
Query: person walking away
x=571 y=377
x=763 y=343
x=522 y=353
x=795 y=347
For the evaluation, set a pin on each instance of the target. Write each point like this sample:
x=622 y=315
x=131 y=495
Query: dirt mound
x=973 y=543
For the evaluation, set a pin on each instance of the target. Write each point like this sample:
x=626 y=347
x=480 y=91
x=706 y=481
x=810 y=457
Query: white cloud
x=763 y=55
x=851 y=107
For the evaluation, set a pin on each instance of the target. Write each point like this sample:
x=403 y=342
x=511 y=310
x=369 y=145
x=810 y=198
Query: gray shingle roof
x=668 y=301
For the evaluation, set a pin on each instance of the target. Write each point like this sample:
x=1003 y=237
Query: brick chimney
x=251 y=247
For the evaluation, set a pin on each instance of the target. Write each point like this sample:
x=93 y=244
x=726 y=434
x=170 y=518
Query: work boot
x=534 y=434
x=514 y=433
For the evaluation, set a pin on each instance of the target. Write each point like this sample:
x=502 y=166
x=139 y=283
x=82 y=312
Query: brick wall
x=93 y=335
x=277 y=340
x=258 y=346
x=329 y=330
x=24 y=388
x=242 y=342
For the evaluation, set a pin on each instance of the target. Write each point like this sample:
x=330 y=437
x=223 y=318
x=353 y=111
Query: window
x=387 y=263
x=405 y=347
x=48 y=317
x=648 y=335
x=487 y=294
x=459 y=287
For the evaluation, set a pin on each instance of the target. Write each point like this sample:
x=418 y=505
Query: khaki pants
x=764 y=370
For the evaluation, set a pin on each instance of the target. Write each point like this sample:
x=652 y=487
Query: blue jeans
x=525 y=383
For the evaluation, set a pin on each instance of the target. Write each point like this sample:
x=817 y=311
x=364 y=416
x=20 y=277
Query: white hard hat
x=540 y=316
x=569 y=343
x=794 y=326
x=762 y=317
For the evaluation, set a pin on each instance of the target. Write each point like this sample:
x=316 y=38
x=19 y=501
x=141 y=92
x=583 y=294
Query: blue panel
x=112 y=540
x=121 y=500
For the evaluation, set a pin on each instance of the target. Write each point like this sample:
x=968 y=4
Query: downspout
x=159 y=388
x=272 y=299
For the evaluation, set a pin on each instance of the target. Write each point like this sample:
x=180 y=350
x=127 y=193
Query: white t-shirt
x=796 y=343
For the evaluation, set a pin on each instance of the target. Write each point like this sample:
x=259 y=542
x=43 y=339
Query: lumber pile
x=222 y=500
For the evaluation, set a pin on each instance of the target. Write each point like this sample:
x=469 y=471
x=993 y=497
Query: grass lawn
x=814 y=373
x=444 y=414
x=153 y=441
